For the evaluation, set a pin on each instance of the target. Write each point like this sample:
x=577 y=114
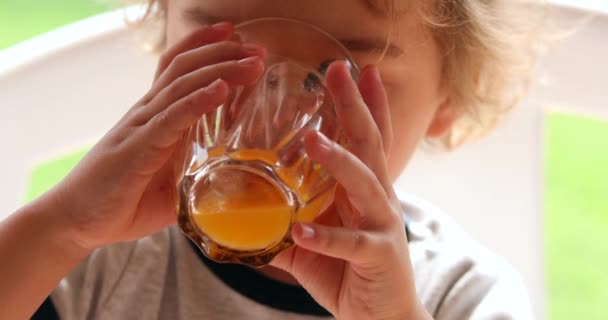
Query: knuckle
x=360 y=241
x=327 y=240
x=357 y=141
x=162 y=119
x=165 y=58
x=366 y=140
x=180 y=59
x=146 y=99
x=118 y=136
x=131 y=117
x=174 y=65
x=190 y=106
x=177 y=87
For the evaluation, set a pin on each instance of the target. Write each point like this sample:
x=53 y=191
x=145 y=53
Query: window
x=24 y=19
x=576 y=217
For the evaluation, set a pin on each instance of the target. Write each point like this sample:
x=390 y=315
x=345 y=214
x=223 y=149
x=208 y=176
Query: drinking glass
x=244 y=178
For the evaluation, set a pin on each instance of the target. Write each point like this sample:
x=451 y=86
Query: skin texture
x=403 y=100
x=353 y=260
x=419 y=102
x=415 y=103
x=123 y=189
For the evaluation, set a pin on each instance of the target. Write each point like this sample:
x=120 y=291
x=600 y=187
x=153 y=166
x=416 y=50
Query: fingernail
x=249 y=61
x=376 y=74
x=341 y=64
x=347 y=68
x=372 y=69
x=215 y=86
x=315 y=143
x=324 y=145
x=254 y=49
x=306 y=232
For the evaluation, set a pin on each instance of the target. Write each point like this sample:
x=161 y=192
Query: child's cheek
x=393 y=86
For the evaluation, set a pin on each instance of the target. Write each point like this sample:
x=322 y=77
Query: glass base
x=237 y=211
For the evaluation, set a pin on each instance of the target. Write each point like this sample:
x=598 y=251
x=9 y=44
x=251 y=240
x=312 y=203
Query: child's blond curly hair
x=489 y=49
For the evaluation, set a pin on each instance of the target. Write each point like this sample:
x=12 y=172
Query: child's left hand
x=356 y=263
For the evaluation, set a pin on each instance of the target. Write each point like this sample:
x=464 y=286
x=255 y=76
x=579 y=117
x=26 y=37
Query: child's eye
x=324 y=65
x=272 y=81
x=312 y=83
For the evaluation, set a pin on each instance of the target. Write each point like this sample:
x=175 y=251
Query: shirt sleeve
x=84 y=291
x=456 y=277
x=493 y=291
x=507 y=298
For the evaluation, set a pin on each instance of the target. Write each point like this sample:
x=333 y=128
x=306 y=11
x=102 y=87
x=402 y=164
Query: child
x=102 y=244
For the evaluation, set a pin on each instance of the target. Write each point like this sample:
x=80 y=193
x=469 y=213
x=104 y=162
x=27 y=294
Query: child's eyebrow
x=199 y=16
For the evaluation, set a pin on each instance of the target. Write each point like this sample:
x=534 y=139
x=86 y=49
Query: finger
x=167 y=127
x=348 y=216
x=362 y=187
x=374 y=95
x=201 y=57
x=203 y=36
x=291 y=258
x=362 y=135
x=353 y=245
x=234 y=73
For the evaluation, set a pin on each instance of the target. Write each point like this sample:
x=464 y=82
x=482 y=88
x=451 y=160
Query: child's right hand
x=124 y=188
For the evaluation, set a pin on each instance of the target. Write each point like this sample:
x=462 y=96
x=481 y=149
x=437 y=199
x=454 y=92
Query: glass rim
x=322 y=31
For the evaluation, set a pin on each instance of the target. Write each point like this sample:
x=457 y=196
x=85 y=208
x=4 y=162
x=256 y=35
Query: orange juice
x=245 y=228
x=252 y=216
x=248 y=212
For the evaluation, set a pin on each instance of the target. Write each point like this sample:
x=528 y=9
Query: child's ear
x=444 y=118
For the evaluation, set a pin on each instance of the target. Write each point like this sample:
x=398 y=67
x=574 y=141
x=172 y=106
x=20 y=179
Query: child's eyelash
x=324 y=65
x=312 y=83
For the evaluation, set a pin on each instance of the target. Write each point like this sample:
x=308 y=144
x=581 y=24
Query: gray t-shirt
x=162 y=277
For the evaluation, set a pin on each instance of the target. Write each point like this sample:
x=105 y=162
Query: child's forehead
x=345 y=19
x=342 y=12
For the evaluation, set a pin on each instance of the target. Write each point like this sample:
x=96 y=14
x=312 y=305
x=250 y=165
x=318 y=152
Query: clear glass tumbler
x=244 y=178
